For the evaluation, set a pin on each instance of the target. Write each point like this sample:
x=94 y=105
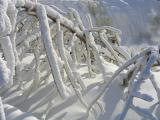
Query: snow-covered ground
x=71 y=109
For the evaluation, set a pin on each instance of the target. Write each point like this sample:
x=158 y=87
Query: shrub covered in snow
x=58 y=68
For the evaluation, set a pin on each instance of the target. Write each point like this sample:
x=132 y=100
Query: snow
x=13 y=113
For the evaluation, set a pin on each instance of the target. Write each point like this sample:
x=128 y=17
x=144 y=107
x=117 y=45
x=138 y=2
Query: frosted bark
x=51 y=53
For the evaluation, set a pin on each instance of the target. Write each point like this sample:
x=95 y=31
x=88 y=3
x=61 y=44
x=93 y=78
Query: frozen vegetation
x=56 y=65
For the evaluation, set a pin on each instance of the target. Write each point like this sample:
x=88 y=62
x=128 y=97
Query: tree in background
x=155 y=28
x=99 y=12
x=152 y=33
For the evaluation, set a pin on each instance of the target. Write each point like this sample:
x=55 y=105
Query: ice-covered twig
x=89 y=19
x=98 y=29
x=77 y=18
x=58 y=10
